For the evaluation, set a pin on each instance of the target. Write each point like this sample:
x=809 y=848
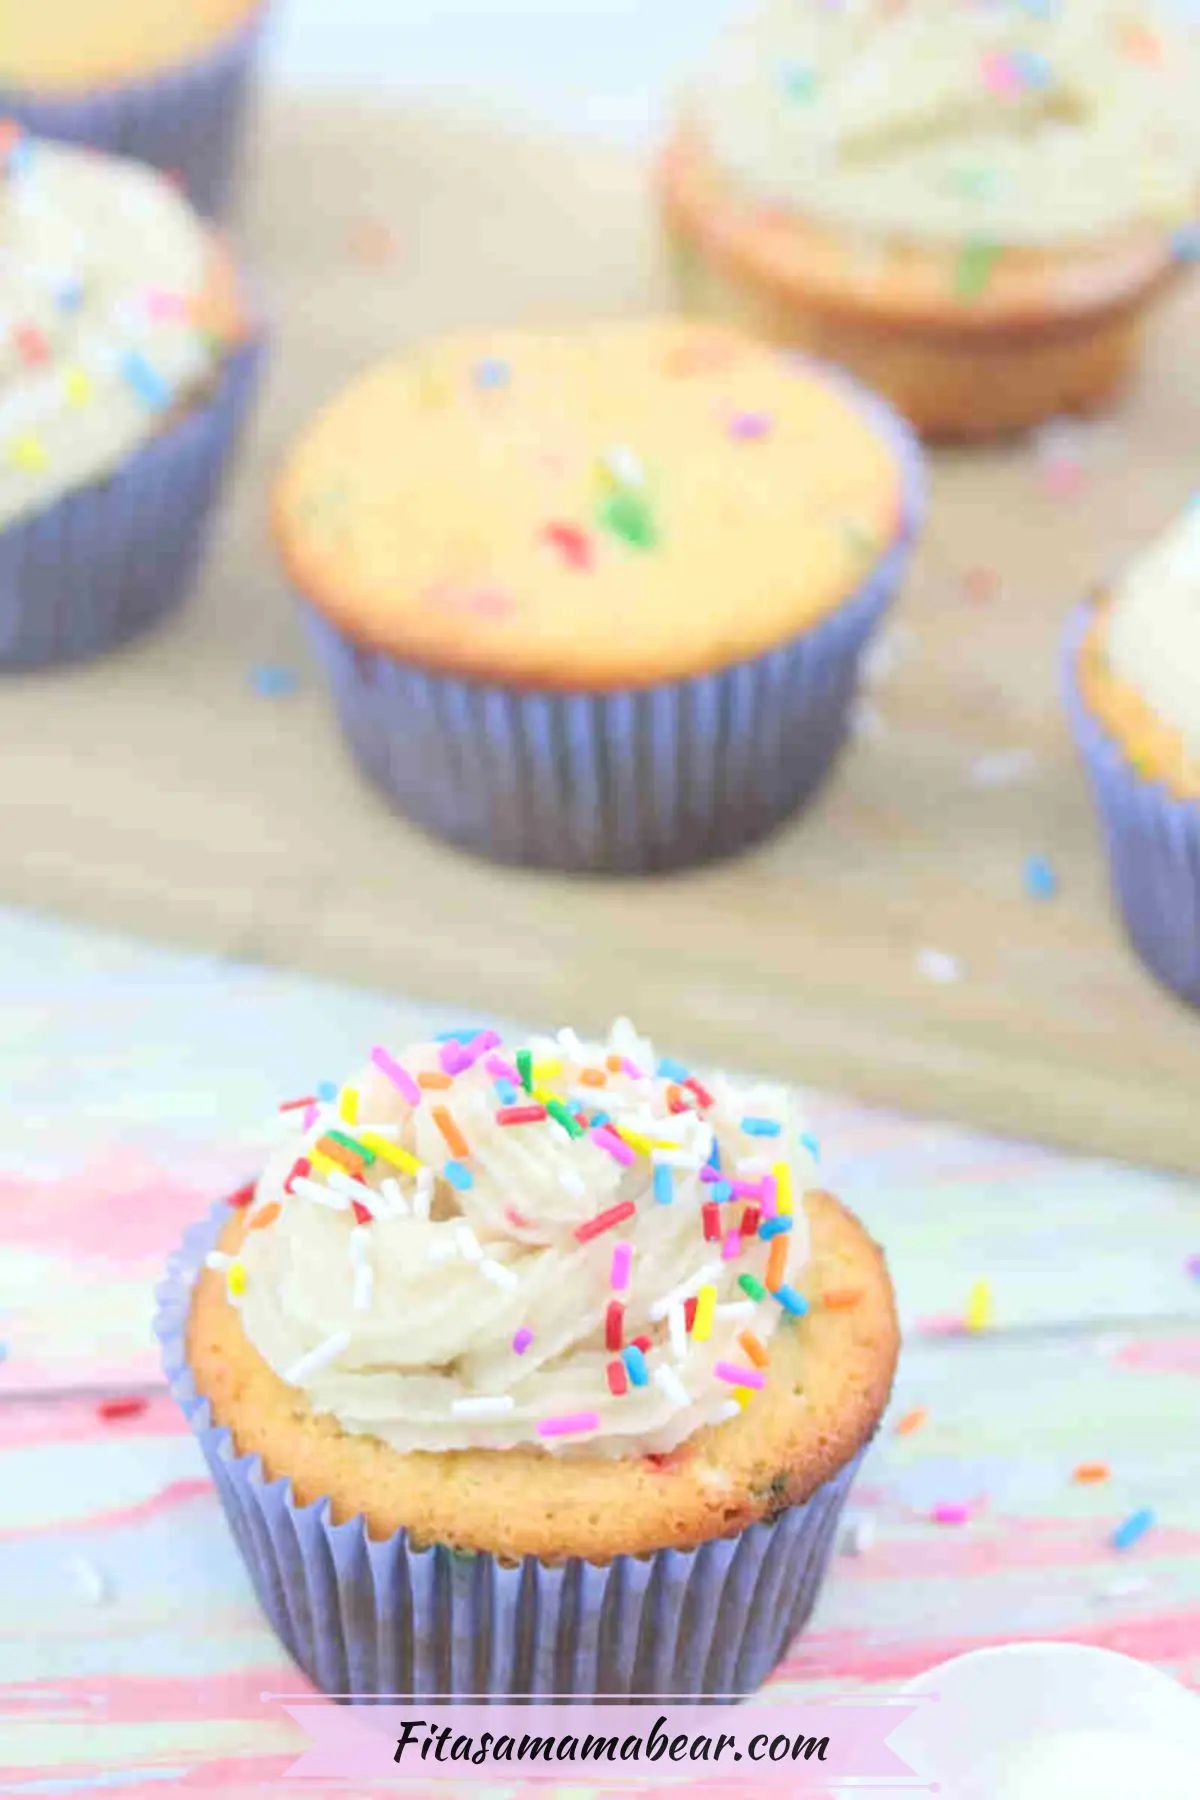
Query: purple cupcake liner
x=382 y=1618
x=108 y=560
x=628 y=781
x=1153 y=839
x=185 y=120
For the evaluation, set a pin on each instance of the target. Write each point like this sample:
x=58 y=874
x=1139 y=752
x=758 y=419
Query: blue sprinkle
x=1041 y=883
x=327 y=1090
x=492 y=372
x=68 y=296
x=145 y=380
x=791 y=1301
x=1134 y=1527
x=1185 y=244
x=714 y=1156
x=1033 y=68
x=664 y=1187
x=754 y=1127
x=635 y=1364
x=812 y=1144
x=274 y=681
x=463 y=1034
x=505 y=1090
x=671 y=1070
x=459 y=1176
x=720 y=1192
x=775 y=1227
x=601 y=1118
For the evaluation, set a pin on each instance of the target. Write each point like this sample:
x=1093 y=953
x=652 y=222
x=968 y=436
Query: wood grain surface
x=160 y=792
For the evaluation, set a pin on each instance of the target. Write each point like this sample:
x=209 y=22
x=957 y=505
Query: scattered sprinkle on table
x=122 y=1406
x=938 y=966
x=978 y=1314
x=951 y=1512
x=1089 y=1472
x=912 y=1421
x=1041 y=882
x=1133 y=1529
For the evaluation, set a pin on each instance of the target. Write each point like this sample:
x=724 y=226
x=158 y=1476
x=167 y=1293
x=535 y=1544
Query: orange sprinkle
x=593 y=1078
x=338 y=1153
x=613 y=1064
x=455 y=1141
x=1091 y=1472
x=839 y=1299
x=755 y=1349
x=776 y=1273
x=912 y=1421
x=433 y=1078
x=266 y=1217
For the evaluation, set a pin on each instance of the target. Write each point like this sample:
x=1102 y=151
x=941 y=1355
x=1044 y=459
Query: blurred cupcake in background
x=970 y=205
x=165 y=81
x=596 y=600
x=127 y=361
x=1133 y=692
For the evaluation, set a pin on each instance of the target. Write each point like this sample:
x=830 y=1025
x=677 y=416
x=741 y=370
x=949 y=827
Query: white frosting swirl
x=412 y=1326
x=1019 y=122
x=1153 y=631
x=101 y=262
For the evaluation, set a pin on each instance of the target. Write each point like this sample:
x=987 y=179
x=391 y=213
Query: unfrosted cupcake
x=970 y=205
x=533 y=1370
x=165 y=81
x=1133 y=692
x=126 y=364
x=595 y=599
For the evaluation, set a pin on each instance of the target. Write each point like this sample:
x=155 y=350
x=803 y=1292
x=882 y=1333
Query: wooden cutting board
x=159 y=791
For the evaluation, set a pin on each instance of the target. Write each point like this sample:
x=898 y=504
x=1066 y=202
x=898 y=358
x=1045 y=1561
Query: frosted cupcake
x=596 y=599
x=1133 y=692
x=125 y=368
x=532 y=1370
x=971 y=206
x=165 y=81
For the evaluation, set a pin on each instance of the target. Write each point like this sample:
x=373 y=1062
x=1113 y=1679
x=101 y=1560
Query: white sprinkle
x=318 y=1358
x=217 y=1259
x=660 y=1308
x=858 y=1535
x=342 y=1183
x=1002 y=768
x=397 y=1205
x=322 y=1196
x=482 y=1406
x=668 y=1380
x=1124 y=1587
x=364 y=1287
x=424 y=1193
x=498 y=1273
x=677 y=1326
x=753 y=1165
x=938 y=966
x=468 y=1244
x=735 y=1309
x=360 y=1238
x=676 y=1159
x=728 y=1409
x=90 y=1579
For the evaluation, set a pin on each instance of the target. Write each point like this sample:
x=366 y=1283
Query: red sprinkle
x=605 y=1221
x=362 y=1213
x=689 y=1311
x=750 y=1221
x=710 y=1212
x=643 y=1343
x=614 y=1325
x=295 y=1105
x=520 y=1115
x=244 y=1195
x=124 y=1406
x=701 y=1092
x=31 y=344
x=572 y=543
x=300 y=1167
x=618 y=1380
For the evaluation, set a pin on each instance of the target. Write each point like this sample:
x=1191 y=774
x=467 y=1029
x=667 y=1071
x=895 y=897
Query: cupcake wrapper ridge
x=1153 y=840
x=109 y=559
x=627 y=781
x=369 y=1618
x=185 y=120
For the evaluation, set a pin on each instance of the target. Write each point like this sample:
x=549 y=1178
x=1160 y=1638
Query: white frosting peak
x=1154 y=628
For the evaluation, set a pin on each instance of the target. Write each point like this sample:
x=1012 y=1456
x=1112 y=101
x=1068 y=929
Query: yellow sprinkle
x=324 y=1165
x=743 y=1396
x=635 y=1140
x=702 y=1324
x=236 y=1278
x=348 y=1105
x=546 y=1071
x=783 y=1187
x=979 y=1307
x=77 y=384
x=396 y=1154
x=28 y=452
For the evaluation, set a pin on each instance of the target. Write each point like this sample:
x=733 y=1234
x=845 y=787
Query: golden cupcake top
x=1011 y=122
x=552 y=1244
x=606 y=506
x=68 y=46
x=114 y=311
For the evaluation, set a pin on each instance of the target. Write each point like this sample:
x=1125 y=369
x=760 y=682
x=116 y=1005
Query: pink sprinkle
x=951 y=1512
x=732 y=1246
x=750 y=1190
x=503 y=1070
x=769 y=1200
x=311 y=1115
x=632 y=1070
x=622 y=1262
x=1062 y=477
x=739 y=1377
x=454 y=1057
x=999 y=74
x=750 y=426
x=616 y=1147
x=1192 y=1265
x=522 y=1340
x=568 y=1424
x=162 y=304
x=399 y=1078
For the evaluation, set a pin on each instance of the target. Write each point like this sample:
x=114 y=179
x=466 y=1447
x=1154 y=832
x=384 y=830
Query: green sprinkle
x=973 y=270
x=627 y=515
x=798 y=81
x=525 y=1069
x=349 y=1143
x=566 y=1119
x=749 y=1284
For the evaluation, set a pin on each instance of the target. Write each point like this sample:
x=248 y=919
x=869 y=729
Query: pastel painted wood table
x=158 y=792
x=135 y=1085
